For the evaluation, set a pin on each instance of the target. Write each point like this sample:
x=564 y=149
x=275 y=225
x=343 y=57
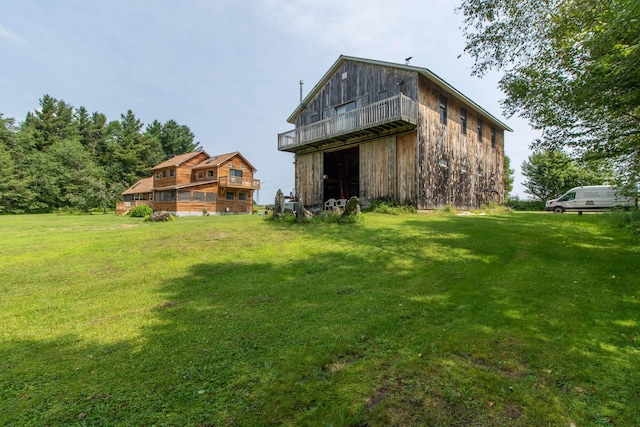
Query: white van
x=591 y=198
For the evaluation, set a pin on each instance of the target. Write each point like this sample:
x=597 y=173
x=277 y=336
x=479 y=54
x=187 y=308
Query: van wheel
x=558 y=209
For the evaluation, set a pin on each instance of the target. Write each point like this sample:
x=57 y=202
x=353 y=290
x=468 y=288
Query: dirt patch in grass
x=378 y=396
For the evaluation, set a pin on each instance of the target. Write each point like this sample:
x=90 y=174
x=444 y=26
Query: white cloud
x=9 y=35
x=355 y=26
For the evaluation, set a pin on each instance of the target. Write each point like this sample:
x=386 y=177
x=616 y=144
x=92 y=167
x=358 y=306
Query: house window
x=199 y=175
x=211 y=174
x=167 y=196
x=344 y=108
x=171 y=173
x=463 y=121
x=493 y=137
x=164 y=173
x=157 y=175
x=479 y=130
x=151 y=197
x=235 y=176
x=443 y=162
x=230 y=195
x=443 y=110
x=242 y=196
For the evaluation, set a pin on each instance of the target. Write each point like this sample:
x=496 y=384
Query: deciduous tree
x=571 y=67
x=551 y=173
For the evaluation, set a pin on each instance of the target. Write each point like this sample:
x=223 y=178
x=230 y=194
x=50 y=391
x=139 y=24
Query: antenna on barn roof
x=406 y=60
x=301 y=83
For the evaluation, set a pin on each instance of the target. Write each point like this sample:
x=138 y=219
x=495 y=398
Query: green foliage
x=512 y=319
x=141 y=211
x=508 y=176
x=61 y=157
x=449 y=210
x=134 y=151
x=493 y=208
x=524 y=205
x=629 y=220
x=388 y=206
x=571 y=69
x=551 y=173
x=174 y=139
x=53 y=122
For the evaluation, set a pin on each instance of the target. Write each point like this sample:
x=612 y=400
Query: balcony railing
x=123 y=208
x=239 y=182
x=381 y=115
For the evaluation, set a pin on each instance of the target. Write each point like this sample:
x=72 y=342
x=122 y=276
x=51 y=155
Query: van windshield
x=568 y=197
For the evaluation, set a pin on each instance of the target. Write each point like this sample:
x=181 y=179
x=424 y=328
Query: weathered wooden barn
x=192 y=183
x=380 y=130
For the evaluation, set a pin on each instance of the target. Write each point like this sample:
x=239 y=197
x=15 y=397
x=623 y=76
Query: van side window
x=568 y=197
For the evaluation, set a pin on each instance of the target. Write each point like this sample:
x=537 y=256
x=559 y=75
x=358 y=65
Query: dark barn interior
x=341 y=173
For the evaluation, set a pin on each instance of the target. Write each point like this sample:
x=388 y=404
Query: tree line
x=62 y=157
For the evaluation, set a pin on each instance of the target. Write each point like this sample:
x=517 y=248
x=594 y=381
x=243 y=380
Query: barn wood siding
x=364 y=84
x=406 y=168
x=378 y=170
x=309 y=171
x=455 y=169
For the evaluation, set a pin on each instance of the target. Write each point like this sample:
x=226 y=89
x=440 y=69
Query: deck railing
x=396 y=108
x=123 y=208
x=239 y=182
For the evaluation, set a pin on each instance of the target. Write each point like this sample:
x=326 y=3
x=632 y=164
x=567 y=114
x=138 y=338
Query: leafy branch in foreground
x=572 y=68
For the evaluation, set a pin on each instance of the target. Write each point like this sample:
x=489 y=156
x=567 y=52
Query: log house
x=193 y=183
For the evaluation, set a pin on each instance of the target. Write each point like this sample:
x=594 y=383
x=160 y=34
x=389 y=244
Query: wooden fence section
x=123 y=208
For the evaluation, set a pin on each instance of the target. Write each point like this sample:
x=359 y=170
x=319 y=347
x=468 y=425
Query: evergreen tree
x=53 y=122
x=15 y=196
x=134 y=153
x=175 y=139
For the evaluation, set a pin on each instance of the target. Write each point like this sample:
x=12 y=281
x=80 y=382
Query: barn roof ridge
x=421 y=70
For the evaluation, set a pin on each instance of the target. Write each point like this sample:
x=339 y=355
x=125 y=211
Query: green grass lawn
x=513 y=319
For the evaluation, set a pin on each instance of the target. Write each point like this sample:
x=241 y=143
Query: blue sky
x=229 y=70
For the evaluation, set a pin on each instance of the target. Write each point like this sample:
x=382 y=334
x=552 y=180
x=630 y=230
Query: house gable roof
x=179 y=159
x=420 y=70
x=145 y=185
x=218 y=160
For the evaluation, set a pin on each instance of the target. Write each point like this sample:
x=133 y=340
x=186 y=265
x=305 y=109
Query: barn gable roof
x=420 y=70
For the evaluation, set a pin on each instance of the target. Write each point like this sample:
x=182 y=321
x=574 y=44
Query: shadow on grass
x=453 y=321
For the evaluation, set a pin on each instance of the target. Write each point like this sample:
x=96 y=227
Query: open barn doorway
x=341 y=174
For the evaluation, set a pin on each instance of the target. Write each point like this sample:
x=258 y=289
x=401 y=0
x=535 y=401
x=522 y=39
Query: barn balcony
x=380 y=118
x=238 y=182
